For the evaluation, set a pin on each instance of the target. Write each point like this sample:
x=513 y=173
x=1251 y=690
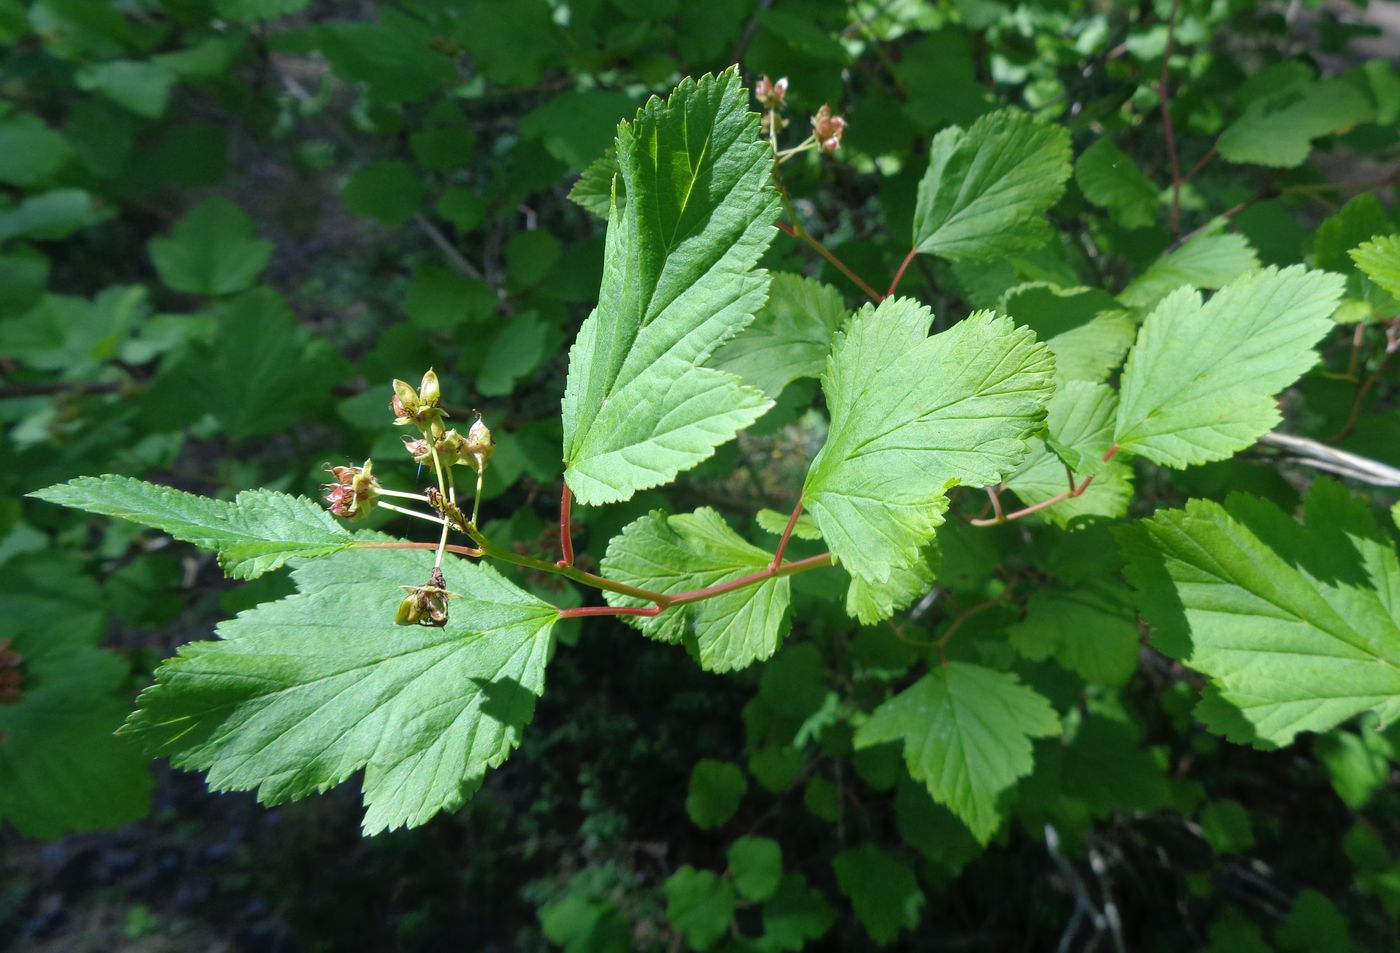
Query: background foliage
x=227 y=224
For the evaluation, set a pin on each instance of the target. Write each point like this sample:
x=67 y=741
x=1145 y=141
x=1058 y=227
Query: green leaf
x=262 y=371
x=245 y=11
x=756 y=864
x=212 y=251
x=699 y=905
x=678 y=281
x=716 y=788
x=1358 y=761
x=594 y=188
x=672 y=554
x=30 y=152
x=1110 y=180
x=987 y=189
x=882 y=889
x=1084 y=328
x=775 y=523
x=50 y=216
x=388 y=191
x=966 y=732
x=256 y=533
x=795 y=915
x=61 y=769
x=443 y=148
x=576 y=126
x=300 y=694
x=1379 y=259
x=143 y=88
x=1297 y=626
x=790 y=338
x=74 y=337
x=1079 y=423
x=1091 y=630
x=911 y=416
x=1278 y=129
x=1361 y=219
x=1314 y=925
x=1211 y=260
x=515 y=351
x=1199 y=384
x=1226 y=828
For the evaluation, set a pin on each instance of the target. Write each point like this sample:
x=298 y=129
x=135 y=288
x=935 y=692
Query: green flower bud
x=479 y=445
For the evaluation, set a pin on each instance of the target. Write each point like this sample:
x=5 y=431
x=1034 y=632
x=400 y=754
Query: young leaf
x=1379 y=259
x=987 y=188
x=1297 y=626
x=671 y=554
x=1110 y=180
x=1079 y=423
x=678 y=281
x=756 y=864
x=594 y=188
x=1211 y=260
x=1091 y=630
x=300 y=694
x=716 y=788
x=790 y=338
x=1278 y=129
x=692 y=551
x=882 y=889
x=774 y=522
x=699 y=905
x=966 y=732
x=211 y=251
x=256 y=533
x=911 y=416
x=796 y=914
x=1199 y=384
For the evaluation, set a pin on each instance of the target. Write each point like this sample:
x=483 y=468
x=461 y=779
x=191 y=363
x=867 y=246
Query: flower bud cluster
x=419 y=407
x=473 y=450
x=354 y=491
x=773 y=97
x=828 y=129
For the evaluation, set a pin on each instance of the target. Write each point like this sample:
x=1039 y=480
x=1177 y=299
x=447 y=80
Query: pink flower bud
x=828 y=129
x=771 y=94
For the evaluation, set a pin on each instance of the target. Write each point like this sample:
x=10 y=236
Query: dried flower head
x=354 y=491
x=426 y=604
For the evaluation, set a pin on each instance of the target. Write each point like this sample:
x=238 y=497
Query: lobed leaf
x=1278 y=129
x=671 y=554
x=1379 y=260
x=679 y=279
x=966 y=732
x=790 y=338
x=1296 y=625
x=302 y=693
x=911 y=416
x=1199 y=383
x=256 y=533
x=987 y=188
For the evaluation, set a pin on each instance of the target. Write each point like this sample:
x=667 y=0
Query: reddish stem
x=797 y=231
x=787 y=535
x=584 y=611
x=566 y=528
x=913 y=253
x=709 y=592
x=1071 y=493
